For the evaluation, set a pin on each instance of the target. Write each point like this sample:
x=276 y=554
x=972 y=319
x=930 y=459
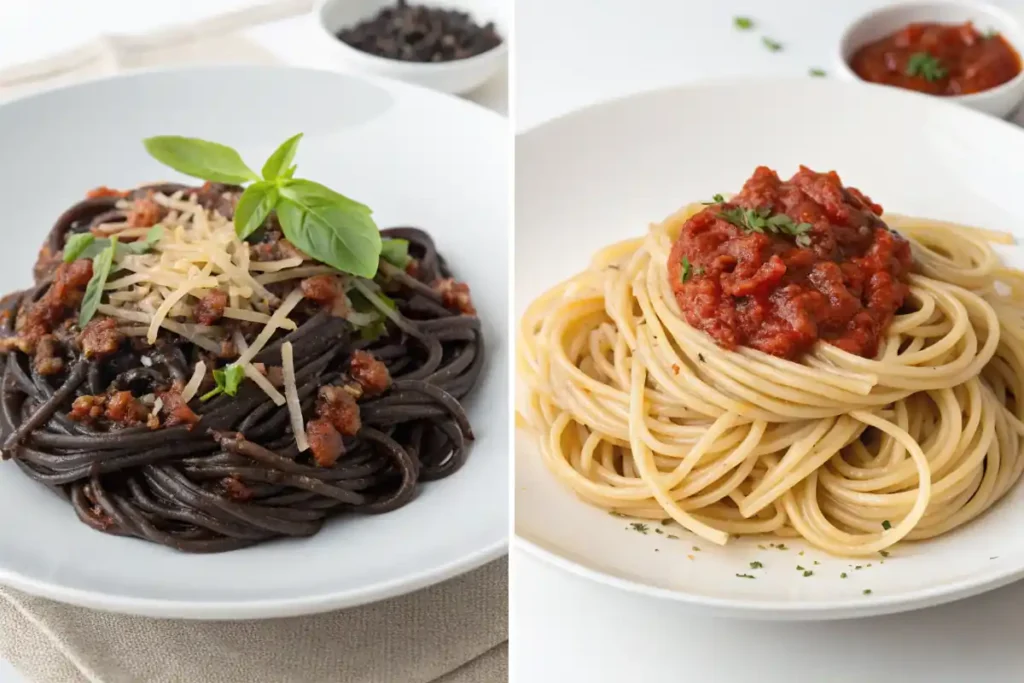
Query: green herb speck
x=746 y=576
x=772 y=45
x=808 y=573
x=843 y=575
x=886 y=525
x=743 y=23
x=639 y=526
x=817 y=73
x=756 y=565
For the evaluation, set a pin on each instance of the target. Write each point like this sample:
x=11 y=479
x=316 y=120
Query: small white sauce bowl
x=455 y=77
x=999 y=101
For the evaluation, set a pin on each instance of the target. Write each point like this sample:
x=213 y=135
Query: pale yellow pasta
x=641 y=414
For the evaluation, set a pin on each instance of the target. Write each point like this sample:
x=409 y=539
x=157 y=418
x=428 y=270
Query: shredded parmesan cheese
x=305 y=271
x=193 y=384
x=264 y=384
x=290 y=302
x=291 y=393
x=191 y=285
x=255 y=317
x=275 y=266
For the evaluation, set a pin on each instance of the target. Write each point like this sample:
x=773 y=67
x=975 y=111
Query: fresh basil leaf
x=339 y=235
x=290 y=172
x=77 y=244
x=154 y=235
x=395 y=251
x=94 y=290
x=254 y=206
x=281 y=159
x=200 y=158
x=296 y=190
x=233 y=376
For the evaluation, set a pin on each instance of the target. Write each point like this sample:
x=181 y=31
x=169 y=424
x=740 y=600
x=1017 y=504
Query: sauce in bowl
x=938 y=59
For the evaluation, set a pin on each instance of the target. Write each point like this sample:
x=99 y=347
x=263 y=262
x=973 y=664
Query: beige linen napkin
x=454 y=632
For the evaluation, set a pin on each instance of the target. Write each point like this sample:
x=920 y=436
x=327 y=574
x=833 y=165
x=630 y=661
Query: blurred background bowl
x=998 y=101
x=456 y=77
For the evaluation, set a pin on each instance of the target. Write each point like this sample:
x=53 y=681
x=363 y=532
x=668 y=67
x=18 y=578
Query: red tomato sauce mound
x=967 y=60
x=765 y=291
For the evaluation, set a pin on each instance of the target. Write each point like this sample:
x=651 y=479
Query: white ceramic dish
x=999 y=101
x=603 y=174
x=456 y=77
x=417 y=158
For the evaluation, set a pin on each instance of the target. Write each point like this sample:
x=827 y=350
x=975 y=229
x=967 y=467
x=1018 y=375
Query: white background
x=570 y=53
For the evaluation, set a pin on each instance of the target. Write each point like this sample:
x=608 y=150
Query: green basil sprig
x=101 y=264
x=87 y=245
x=324 y=224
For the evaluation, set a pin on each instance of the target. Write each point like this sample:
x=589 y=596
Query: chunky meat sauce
x=938 y=59
x=766 y=291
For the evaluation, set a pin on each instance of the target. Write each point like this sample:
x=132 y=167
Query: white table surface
x=29 y=32
x=570 y=53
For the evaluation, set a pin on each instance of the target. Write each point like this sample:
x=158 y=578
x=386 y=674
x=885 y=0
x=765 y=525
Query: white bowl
x=456 y=77
x=999 y=101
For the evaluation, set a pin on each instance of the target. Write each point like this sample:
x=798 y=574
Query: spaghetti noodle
x=638 y=412
x=355 y=391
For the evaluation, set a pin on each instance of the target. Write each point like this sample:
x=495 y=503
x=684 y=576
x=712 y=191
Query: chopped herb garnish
x=883 y=553
x=867 y=591
x=700 y=357
x=772 y=45
x=756 y=565
x=799 y=568
x=743 y=23
x=927 y=67
x=801 y=553
x=808 y=573
x=858 y=567
x=759 y=545
x=782 y=546
x=684 y=274
x=613 y=513
x=659 y=531
x=816 y=562
x=639 y=526
x=715 y=199
x=746 y=576
x=843 y=575
x=761 y=220
x=673 y=537
x=696 y=548
x=817 y=73
x=886 y=525
x=666 y=521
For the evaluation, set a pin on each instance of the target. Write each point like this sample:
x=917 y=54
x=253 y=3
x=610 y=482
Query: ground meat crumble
x=454 y=295
x=371 y=374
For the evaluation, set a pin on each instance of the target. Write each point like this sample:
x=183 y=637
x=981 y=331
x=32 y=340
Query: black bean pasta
x=116 y=417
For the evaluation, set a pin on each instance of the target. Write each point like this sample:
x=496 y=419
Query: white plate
x=603 y=174
x=417 y=158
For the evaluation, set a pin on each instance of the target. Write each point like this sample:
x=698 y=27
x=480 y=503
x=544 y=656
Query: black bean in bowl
x=419 y=33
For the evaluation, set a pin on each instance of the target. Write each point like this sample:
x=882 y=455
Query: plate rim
x=763 y=610
x=280 y=607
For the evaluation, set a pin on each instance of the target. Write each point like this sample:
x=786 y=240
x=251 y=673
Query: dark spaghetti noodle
x=237 y=478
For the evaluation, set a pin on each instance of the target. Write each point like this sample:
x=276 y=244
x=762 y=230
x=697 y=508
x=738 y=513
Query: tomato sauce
x=839 y=274
x=938 y=59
